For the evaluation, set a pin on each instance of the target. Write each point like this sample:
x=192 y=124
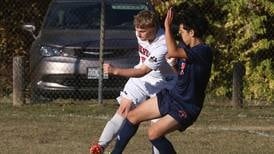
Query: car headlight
x=48 y=51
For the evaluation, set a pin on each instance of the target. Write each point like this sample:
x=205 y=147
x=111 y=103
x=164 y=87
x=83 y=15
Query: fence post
x=237 y=85
x=101 y=60
x=18 y=81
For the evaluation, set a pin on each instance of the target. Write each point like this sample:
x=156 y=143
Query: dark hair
x=146 y=19
x=193 y=20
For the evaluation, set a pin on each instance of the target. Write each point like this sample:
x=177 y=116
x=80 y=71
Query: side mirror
x=30 y=28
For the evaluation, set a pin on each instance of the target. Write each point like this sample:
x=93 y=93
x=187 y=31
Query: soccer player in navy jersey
x=179 y=107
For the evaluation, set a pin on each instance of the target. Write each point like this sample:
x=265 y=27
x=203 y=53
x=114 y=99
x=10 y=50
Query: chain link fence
x=62 y=52
x=75 y=39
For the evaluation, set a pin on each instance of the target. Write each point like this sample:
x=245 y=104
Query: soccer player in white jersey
x=152 y=74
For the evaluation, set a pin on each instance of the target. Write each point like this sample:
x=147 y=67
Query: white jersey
x=153 y=55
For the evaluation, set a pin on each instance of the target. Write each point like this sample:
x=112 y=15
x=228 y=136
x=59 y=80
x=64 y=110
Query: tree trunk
x=237 y=87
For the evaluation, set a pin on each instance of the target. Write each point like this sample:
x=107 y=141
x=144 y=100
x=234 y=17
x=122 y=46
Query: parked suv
x=64 y=58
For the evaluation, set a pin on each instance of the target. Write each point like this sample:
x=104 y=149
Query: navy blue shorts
x=185 y=114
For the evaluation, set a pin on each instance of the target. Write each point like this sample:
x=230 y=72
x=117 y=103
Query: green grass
x=68 y=127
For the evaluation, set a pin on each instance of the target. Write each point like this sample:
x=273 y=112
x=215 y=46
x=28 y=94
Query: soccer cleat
x=96 y=149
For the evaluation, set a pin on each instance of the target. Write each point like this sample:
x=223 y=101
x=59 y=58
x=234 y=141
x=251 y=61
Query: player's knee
x=152 y=133
x=132 y=117
x=121 y=114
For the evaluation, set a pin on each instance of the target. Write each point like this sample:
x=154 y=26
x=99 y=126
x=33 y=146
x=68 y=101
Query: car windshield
x=87 y=16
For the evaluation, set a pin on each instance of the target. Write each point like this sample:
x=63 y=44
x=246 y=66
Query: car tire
x=36 y=96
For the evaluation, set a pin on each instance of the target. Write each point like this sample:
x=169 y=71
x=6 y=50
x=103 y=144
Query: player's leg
x=153 y=89
x=110 y=130
x=157 y=132
x=145 y=111
x=154 y=149
x=112 y=127
x=178 y=116
x=130 y=94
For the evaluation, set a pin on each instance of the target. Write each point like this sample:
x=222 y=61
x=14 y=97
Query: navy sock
x=124 y=135
x=163 y=145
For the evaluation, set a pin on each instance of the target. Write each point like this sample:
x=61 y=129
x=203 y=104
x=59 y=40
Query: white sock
x=111 y=129
x=155 y=150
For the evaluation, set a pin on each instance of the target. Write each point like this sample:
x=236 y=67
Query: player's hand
x=108 y=69
x=124 y=108
x=169 y=18
x=171 y=61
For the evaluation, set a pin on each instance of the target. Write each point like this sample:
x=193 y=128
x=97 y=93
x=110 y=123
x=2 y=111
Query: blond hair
x=146 y=19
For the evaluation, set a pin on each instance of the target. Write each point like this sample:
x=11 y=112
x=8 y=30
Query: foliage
x=249 y=40
x=13 y=40
x=240 y=31
x=259 y=81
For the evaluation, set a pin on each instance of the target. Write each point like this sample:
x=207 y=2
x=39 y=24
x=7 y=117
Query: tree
x=240 y=33
x=249 y=41
x=13 y=40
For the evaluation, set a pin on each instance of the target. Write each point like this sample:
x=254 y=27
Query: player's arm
x=173 y=50
x=126 y=72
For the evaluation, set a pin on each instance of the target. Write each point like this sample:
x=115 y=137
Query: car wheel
x=36 y=96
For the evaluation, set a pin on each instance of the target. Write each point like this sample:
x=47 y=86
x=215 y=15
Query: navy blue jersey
x=194 y=73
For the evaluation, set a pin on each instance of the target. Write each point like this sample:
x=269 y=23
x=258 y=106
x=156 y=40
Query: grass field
x=69 y=128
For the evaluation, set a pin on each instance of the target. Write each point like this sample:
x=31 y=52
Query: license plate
x=94 y=73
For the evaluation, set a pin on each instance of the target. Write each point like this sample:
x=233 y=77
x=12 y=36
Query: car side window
x=87 y=16
x=73 y=17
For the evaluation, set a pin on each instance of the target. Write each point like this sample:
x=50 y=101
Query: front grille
x=107 y=53
x=81 y=81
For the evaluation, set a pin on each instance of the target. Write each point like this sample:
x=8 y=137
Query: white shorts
x=138 y=89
